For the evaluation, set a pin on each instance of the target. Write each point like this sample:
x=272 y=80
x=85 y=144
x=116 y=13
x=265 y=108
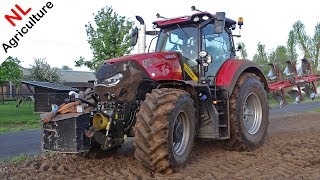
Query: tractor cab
x=203 y=40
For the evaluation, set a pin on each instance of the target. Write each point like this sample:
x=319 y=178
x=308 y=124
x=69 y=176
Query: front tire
x=165 y=130
x=249 y=114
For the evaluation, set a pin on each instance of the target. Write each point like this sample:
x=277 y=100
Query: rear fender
x=232 y=69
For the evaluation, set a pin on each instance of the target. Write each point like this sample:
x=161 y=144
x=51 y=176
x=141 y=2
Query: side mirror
x=219 y=22
x=134 y=36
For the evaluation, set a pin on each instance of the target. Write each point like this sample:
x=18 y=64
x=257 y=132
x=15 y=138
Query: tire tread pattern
x=236 y=142
x=152 y=128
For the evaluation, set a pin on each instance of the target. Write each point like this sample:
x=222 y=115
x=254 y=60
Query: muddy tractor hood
x=158 y=65
x=122 y=76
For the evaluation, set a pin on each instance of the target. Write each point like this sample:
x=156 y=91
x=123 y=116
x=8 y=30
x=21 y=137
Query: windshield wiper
x=183 y=31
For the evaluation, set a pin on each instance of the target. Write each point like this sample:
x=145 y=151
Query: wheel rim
x=252 y=113
x=181 y=133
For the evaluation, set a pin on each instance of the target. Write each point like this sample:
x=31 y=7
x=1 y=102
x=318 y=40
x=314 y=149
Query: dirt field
x=291 y=151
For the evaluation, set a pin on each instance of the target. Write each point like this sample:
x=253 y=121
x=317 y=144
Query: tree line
x=298 y=39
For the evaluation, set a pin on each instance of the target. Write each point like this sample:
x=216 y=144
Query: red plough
x=301 y=77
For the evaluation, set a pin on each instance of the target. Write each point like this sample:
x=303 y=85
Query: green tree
x=291 y=46
x=261 y=57
x=280 y=55
x=108 y=37
x=310 y=46
x=10 y=72
x=42 y=71
x=316 y=46
x=243 y=50
x=65 y=67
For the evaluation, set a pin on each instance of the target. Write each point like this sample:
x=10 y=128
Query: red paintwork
x=172 y=21
x=227 y=71
x=177 y=20
x=159 y=65
x=275 y=86
x=188 y=19
x=307 y=79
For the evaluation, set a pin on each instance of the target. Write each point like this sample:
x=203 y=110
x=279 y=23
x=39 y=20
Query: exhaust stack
x=142 y=35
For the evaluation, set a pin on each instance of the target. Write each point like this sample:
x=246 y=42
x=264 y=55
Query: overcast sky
x=60 y=35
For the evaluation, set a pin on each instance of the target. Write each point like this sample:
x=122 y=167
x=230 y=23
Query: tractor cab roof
x=193 y=19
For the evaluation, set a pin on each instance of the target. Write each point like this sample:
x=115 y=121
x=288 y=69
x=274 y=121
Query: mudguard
x=231 y=70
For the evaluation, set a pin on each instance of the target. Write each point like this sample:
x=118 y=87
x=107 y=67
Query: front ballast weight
x=66 y=130
x=66 y=133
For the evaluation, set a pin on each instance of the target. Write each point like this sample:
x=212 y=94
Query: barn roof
x=48 y=85
x=68 y=75
x=76 y=76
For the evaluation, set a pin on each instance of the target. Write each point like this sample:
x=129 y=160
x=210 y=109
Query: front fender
x=232 y=69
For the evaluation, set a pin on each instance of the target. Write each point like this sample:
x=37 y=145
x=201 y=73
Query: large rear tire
x=165 y=130
x=249 y=114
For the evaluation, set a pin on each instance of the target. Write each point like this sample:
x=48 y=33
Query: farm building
x=45 y=94
x=80 y=80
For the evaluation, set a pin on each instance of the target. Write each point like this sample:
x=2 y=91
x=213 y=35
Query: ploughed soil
x=291 y=151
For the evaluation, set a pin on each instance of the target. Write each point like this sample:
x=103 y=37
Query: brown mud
x=291 y=151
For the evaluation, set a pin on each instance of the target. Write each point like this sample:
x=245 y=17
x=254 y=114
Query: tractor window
x=184 y=40
x=174 y=42
x=217 y=45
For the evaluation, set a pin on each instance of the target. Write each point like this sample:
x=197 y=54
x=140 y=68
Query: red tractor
x=190 y=87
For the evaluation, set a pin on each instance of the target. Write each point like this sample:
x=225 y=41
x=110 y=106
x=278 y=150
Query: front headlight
x=114 y=80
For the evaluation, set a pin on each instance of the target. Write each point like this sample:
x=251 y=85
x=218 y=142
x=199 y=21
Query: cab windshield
x=184 y=40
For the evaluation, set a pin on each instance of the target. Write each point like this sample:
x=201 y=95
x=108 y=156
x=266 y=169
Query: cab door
x=218 y=46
